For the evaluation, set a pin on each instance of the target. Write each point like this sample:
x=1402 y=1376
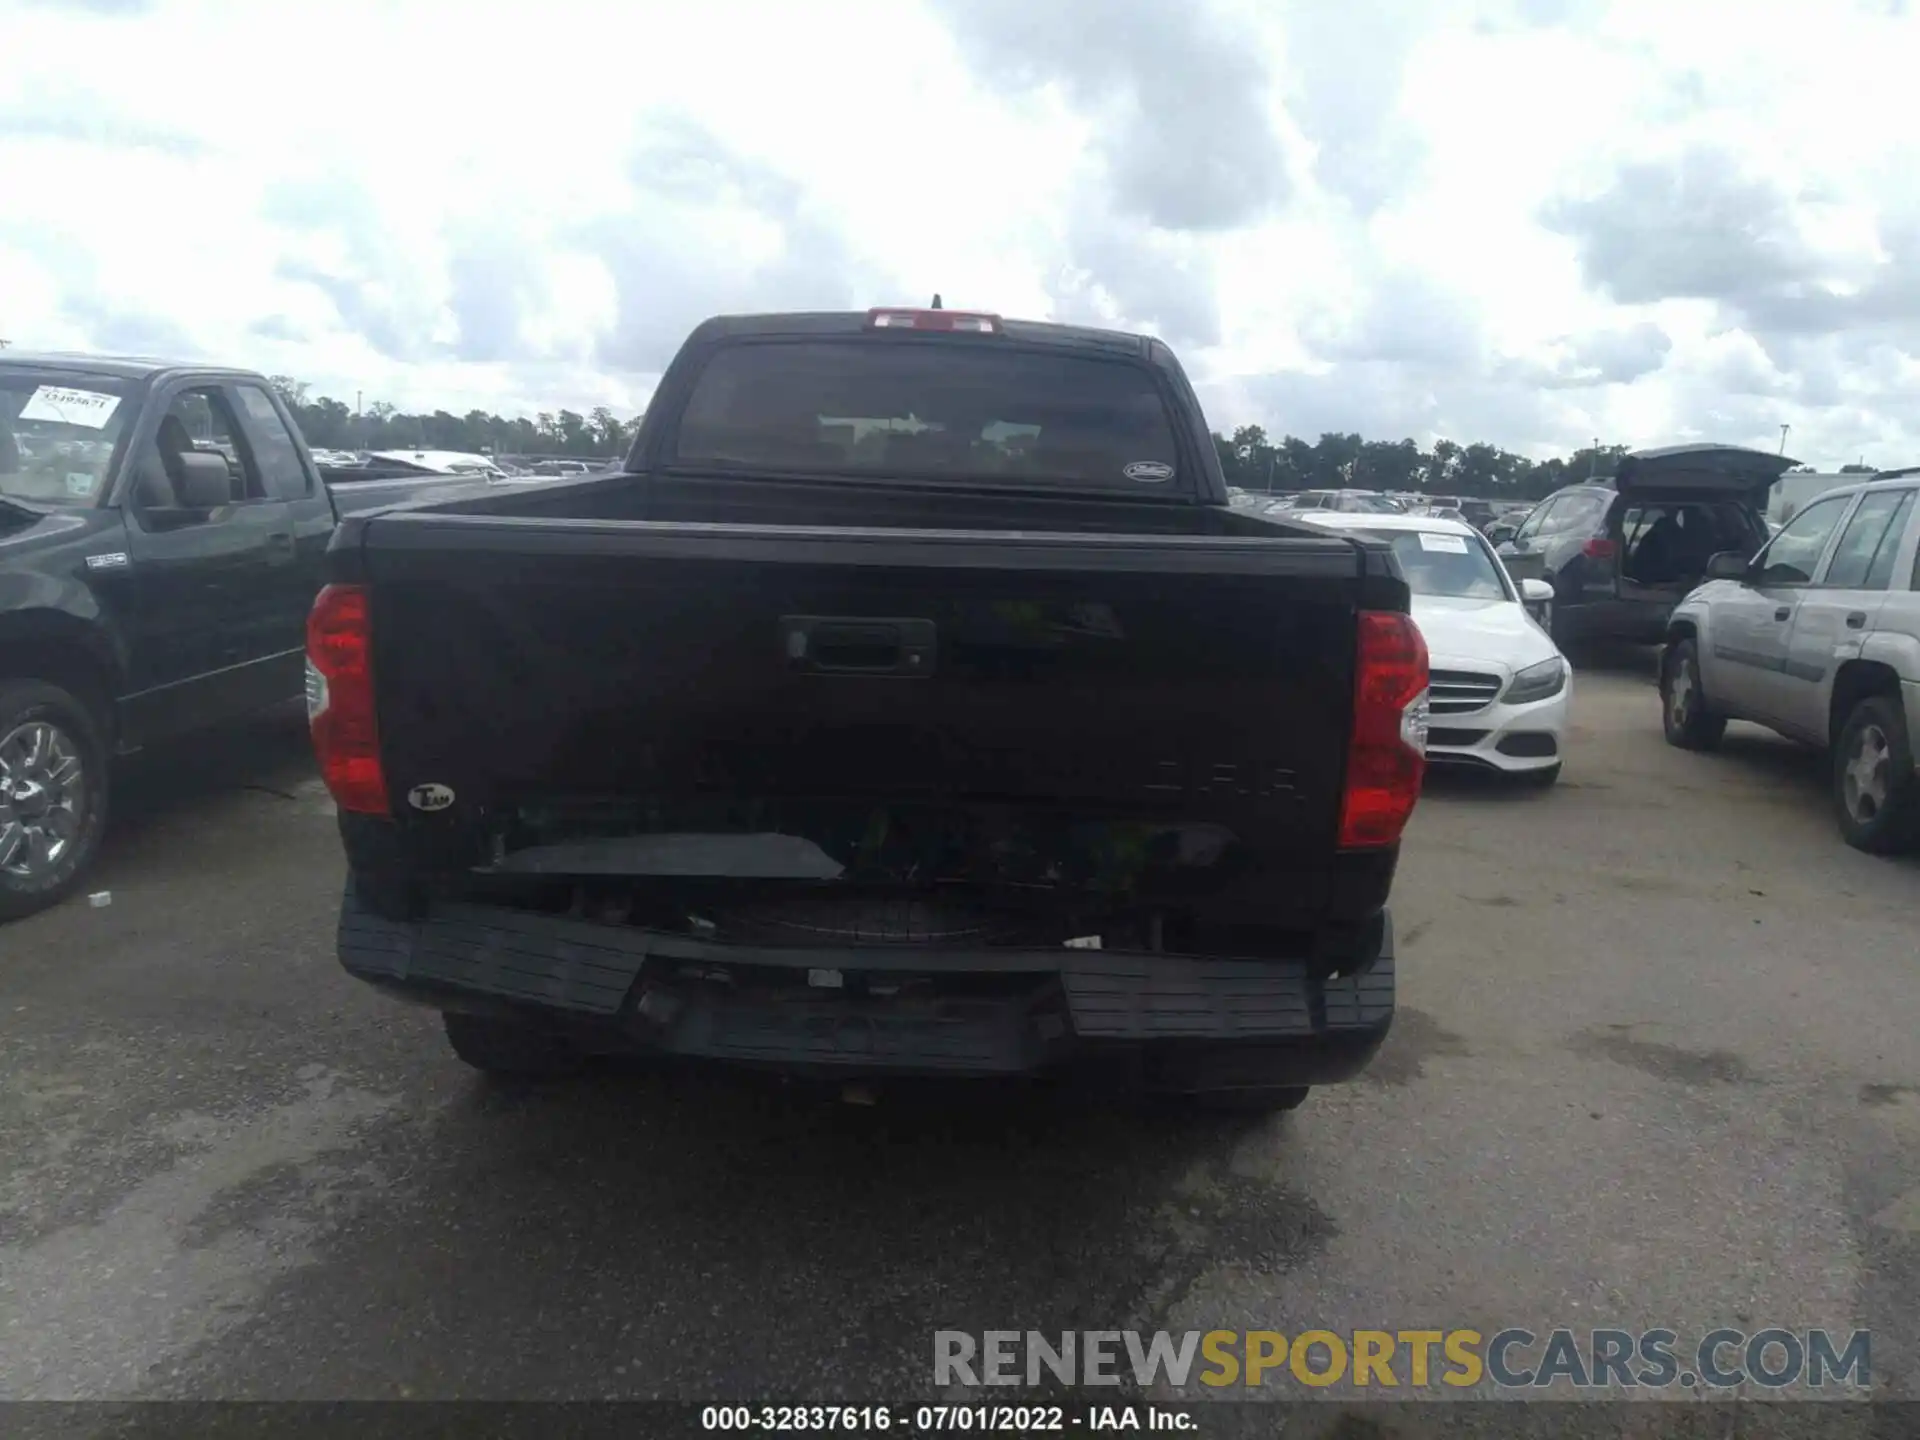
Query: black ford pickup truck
x=913 y=702
x=162 y=535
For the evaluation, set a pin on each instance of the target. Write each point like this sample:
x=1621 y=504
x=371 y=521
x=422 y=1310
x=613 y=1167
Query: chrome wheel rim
x=1865 y=778
x=43 y=792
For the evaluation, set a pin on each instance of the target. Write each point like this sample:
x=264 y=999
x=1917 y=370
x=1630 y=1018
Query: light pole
x=1783 y=438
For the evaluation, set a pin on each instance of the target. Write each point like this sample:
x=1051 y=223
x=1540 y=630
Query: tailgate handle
x=844 y=645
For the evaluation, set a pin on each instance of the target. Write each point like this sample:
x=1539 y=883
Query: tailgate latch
x=843 y=645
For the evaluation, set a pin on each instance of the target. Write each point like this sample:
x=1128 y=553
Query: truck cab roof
x=145 y=369
x=857 y=322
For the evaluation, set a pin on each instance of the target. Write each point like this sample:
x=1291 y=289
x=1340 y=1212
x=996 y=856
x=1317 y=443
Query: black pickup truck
x=162 y=535
x=913 y=702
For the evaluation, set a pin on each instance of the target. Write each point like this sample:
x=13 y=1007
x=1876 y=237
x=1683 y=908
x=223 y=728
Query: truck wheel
x=1253 y=1100
x=1875 y=791
x=53 y=794
x=1689 y=721
x=509 y=1050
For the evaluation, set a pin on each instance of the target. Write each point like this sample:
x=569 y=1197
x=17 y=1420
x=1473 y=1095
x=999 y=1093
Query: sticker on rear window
x=70 y=407
x=1445 y=544
x=1148 y=472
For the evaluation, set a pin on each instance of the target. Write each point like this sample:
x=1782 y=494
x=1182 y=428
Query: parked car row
x=1362 y=502
x=1495 y=518
x=457 y=462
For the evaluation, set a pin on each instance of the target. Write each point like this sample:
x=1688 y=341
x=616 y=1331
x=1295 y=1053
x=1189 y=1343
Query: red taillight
x=1598 y=549
x=340 y=699
x=1388 y=753
x=971 y=322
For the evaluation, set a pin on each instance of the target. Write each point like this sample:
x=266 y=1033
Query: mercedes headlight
x=1537 y=682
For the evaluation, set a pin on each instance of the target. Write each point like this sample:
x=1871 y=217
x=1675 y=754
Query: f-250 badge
x=430 y=797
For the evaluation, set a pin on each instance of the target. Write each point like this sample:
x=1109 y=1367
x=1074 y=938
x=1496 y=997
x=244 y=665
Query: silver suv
x=1818 y=637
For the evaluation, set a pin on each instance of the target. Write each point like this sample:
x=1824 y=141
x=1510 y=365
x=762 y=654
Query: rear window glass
x=1578 y=511
x=940 y=409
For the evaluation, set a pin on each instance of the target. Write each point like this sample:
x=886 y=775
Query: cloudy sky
x=1529 y=222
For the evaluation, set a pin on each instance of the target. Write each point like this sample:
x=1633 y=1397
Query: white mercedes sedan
x=1500 y=687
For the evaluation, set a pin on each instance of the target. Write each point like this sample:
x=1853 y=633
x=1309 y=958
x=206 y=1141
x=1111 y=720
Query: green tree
x=608 y=434
x=1388 y=465
x=1252 y=457
x=1333 y=461
x=572 y=429
x=1229 y=461
x=1591 y=462
x=329 y=424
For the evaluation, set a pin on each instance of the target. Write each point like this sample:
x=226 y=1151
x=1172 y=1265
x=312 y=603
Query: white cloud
x=1522 y=221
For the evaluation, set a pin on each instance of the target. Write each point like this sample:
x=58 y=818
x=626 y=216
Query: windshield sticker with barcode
x=1444 y=544
x=70 y=407
x=1148 y=472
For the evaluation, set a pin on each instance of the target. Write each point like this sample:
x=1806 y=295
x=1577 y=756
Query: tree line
x=1337 y=461
x=330 y=424
x=1251 y=459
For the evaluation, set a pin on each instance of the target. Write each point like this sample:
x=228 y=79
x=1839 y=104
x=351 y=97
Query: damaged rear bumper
x=1170 y=1022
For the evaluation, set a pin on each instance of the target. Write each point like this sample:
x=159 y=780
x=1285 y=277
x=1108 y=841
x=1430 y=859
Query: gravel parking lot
x=1655 y=1064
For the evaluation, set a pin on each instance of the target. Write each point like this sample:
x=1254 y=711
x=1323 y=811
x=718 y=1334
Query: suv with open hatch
x=1621 y=551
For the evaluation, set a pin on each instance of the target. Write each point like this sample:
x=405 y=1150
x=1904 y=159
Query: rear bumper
x=1165 y=1022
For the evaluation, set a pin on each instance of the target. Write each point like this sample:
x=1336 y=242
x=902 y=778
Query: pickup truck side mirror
x=204 y=480
x=1729 y=565
x=1501 y=533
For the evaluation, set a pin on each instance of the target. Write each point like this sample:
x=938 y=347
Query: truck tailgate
x=708 y=678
